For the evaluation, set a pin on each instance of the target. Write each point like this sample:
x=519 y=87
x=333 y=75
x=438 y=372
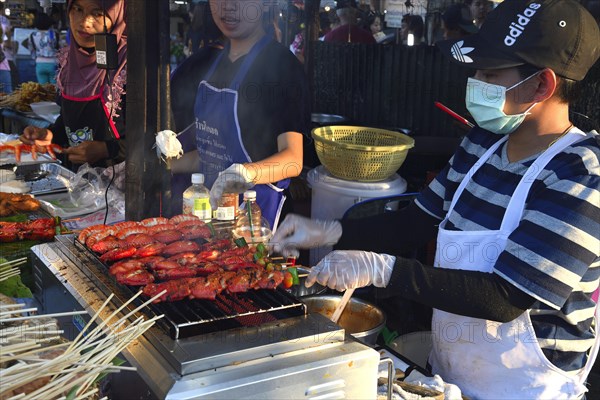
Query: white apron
x=488 y=359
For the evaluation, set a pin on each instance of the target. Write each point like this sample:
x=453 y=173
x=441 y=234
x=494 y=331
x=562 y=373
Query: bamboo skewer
x=17 y=305
x=90 y=354
x=5 y=320
x=19 y=311
x=9 y=274
x=14 y=262
x=342 y=305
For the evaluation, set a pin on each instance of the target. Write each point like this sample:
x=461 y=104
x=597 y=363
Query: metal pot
x=301 y=291
x=361 y=319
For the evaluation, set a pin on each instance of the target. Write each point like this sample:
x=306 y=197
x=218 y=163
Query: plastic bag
x=87 y=188
x=167 y=145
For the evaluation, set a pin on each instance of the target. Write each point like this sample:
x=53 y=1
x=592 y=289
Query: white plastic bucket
x=331 y=197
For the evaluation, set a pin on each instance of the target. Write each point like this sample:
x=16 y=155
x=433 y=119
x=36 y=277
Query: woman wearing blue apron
x=515 y=212
x=237 y=105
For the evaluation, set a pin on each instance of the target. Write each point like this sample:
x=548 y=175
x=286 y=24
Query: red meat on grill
x=167 y=236
x=153 y=249
x=208 y=268
x=243 y=281
x=138 y=277
x=175 y=273
x=125 y=266
x=180 y=247
x=175 y=290
x=150 y=261
x=139 y=240
x=270 y=280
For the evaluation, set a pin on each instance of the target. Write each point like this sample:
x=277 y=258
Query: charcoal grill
x=259 y=344
x=187 y=318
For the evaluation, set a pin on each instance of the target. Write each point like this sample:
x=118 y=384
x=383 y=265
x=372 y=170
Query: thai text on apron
x=218 y=134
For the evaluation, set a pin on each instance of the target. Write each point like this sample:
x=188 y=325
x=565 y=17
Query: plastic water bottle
x=250 y=224
x=196 y=199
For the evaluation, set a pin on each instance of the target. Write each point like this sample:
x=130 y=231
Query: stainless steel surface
x=390 y=375
x=300 y=357
x=361 y=319
x=54 y=177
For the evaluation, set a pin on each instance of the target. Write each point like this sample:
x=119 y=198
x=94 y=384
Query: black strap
x=32 y=41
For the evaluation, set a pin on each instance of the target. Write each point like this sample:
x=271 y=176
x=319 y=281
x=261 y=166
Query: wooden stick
x=16 y=305
x=105 y=342
x=4 y=276
x=18 y=260
x=42 y=316
x=342 y=304
x=20 y=311
x=15 y=266
x=11 y=330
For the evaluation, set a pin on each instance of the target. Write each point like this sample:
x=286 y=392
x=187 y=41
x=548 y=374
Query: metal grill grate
x=187 y=318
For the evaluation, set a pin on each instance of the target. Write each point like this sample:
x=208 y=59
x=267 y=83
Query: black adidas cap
x=557 y=34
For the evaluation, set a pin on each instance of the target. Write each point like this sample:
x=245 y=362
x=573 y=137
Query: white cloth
x=451 y=392
x=487 y=359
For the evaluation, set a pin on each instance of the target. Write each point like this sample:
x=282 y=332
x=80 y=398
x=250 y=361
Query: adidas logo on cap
x=516 y=28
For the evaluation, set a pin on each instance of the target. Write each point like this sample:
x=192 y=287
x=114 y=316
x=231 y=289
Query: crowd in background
x=445 y=19
x=41 y=46
x=348 y=21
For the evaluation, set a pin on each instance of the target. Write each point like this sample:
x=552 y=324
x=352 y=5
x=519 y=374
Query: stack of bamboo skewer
x=10 y=268
x=25 y=374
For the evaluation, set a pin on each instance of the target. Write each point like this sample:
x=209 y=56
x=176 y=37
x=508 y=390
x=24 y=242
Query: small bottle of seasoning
x=227 y=207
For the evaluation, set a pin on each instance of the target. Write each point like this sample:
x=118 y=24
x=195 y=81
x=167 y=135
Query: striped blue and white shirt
x=554 y=254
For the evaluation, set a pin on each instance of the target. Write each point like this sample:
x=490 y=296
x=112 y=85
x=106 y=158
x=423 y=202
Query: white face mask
x=485 y=102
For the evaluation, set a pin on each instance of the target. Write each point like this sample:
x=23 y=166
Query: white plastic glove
x=297 y=232
x=235 y=179
x=346 y=269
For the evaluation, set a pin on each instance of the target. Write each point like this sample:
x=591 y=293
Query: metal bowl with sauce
x=361 y=319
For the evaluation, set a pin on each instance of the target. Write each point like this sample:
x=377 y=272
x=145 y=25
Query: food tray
x=60 y=205
x=56 y=181
x=26 y=159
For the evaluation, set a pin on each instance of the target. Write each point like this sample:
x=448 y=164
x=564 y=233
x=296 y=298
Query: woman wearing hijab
x=92 y=119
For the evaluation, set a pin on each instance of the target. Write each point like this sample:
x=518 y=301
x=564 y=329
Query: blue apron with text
x=218 y=134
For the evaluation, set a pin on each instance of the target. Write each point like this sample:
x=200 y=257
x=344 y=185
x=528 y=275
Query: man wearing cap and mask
x=348 y=31
x=516 y=212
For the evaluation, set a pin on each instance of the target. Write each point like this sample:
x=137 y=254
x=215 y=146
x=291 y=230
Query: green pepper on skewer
x=241 y=242
x=295 y=278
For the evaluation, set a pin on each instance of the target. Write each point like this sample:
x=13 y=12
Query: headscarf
x=78 y=75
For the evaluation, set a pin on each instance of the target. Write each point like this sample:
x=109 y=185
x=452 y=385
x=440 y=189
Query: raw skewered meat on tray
x=42 y=229
x=19 y=148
